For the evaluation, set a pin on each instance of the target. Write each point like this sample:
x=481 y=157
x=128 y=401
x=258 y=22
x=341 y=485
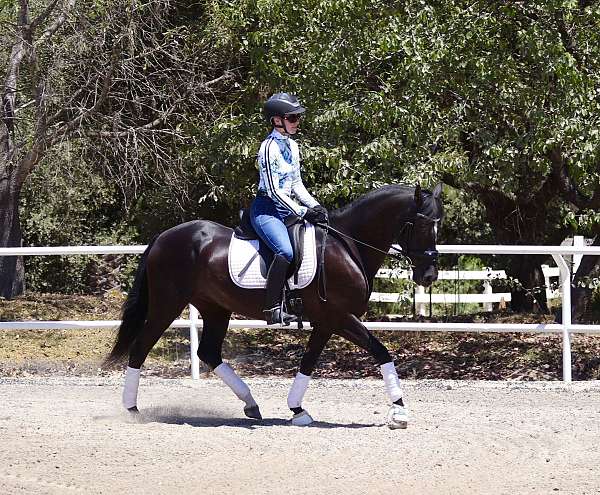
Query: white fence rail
x=422 y=299
x=558 y=253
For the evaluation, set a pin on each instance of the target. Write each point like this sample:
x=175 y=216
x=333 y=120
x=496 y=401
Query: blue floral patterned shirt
x=279 y=173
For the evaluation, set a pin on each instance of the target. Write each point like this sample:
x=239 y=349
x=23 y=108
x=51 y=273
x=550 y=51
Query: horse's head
x=419 y=235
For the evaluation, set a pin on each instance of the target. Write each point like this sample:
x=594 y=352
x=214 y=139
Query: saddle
x=296 y=227
x=296 y=230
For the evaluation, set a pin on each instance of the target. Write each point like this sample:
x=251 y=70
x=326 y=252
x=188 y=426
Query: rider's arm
x=297 y=185
x=271 y=162
x=300 y=191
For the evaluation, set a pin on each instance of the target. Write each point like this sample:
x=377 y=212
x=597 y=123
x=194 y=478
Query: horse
x=188 y=264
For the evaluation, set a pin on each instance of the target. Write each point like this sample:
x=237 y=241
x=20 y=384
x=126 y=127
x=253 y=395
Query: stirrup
x=277 y=316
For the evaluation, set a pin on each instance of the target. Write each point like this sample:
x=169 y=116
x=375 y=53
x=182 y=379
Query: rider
x=279 y=173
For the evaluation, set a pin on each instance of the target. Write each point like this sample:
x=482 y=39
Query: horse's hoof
x=252 y=412
x=397 y=417
x=133 y=410
x=302 y=419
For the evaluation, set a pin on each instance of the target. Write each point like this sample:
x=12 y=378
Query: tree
x=499 y=99
x=119 y=78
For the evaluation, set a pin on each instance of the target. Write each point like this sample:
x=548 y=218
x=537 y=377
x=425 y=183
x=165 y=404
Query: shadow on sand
x=203 y=419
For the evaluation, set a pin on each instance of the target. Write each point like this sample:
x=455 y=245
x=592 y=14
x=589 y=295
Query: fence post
x=578 y=241
x=487 y=289
x=420 y=307
x=565 y=282
x=195 y=361
x=547 y=283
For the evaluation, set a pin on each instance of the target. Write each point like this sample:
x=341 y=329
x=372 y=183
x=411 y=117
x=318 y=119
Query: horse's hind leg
x=160 y=316
x=214 y=327
x=357 y=333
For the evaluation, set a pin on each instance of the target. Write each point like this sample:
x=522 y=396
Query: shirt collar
x=277 y=135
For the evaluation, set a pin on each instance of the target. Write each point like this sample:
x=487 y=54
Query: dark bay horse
x=188 y=264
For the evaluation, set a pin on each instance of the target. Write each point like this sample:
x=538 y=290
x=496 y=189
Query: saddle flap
x=248 y=270
x=296 y=230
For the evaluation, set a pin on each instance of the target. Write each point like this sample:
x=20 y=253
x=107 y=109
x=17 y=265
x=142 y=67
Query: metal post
x=430 y=301
x=565 y=282
x=195 y=361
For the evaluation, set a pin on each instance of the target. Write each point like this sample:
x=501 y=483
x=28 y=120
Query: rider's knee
x=286 y=252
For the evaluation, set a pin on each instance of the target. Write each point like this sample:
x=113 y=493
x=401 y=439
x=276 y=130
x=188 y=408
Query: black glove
x=323 y=211
x=316 y=214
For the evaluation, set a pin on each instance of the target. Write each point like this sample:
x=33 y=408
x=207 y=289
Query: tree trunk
x=532 y=294
x=12 y=272
x=580 y=295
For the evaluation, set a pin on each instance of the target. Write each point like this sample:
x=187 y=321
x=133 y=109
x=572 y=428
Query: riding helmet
x=282 y=104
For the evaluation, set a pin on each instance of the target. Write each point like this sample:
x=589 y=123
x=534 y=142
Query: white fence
x=558 y=253
x=487 y=275
x=422 y=299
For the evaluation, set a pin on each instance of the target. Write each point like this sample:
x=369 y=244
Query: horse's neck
x=377 y=223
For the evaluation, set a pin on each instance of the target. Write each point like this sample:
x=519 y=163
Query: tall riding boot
x=273 y=311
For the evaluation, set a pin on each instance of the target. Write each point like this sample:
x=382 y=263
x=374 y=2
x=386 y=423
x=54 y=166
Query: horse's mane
x=371 y=195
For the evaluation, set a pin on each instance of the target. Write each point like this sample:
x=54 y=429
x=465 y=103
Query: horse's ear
x=437 y=190
x=418 y=196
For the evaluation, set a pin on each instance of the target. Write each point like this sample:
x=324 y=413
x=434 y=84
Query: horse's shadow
x=157 y=415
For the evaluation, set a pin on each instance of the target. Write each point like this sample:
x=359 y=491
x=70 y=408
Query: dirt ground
x=66 y=435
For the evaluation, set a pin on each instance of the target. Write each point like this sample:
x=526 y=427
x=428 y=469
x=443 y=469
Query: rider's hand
x=316 y=214
x=323 y=211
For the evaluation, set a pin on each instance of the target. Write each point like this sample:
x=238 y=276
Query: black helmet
x=282 y=104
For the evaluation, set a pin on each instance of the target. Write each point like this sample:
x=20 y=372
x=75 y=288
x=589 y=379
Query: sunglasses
x=293 y=118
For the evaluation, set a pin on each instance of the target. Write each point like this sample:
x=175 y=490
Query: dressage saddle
x=296 y=230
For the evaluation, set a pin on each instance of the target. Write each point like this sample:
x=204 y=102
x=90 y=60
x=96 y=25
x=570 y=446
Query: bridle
x=401 y=255
x=430 y=255
x=398 y=254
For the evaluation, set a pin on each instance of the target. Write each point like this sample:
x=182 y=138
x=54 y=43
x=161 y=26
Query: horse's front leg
x=316 y=343
x=357 y=333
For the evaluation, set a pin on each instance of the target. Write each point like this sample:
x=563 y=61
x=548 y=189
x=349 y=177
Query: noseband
x=430 y=255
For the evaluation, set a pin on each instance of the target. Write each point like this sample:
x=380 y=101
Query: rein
x=399 y=254
x=321 y=281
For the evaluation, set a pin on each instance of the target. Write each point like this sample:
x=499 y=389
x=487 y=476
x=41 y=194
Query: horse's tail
x=135 y=309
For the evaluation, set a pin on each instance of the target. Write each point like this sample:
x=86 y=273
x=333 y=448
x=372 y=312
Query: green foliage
x=490 y=93
x=87 y=211
x=483 y=92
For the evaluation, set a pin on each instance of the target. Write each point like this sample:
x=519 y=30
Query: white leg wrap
x=391 y=380
x=130 y=389
x=298 y=390
x=235 y=383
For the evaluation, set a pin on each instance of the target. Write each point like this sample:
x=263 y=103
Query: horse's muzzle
x=425 y=276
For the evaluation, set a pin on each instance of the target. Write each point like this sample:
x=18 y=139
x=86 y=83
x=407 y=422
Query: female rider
x=279 y=179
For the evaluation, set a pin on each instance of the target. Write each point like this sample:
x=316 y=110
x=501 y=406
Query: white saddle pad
x=241 y=252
